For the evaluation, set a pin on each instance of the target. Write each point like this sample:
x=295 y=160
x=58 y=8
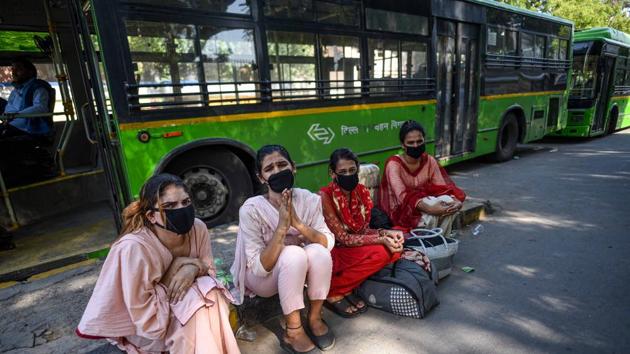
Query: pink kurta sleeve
x=144 y=297
x=251 y=234
x=204 y=246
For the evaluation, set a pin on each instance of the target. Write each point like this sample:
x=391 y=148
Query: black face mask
x=179 y=221
x=281 y=181
x=415 y=151
x=348 y=183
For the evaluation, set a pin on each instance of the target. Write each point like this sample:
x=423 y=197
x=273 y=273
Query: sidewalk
x=40 y=315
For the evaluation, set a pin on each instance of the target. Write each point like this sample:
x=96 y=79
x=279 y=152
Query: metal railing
x=582 y=93
x=621 y=90
x=253 y=92
x=497 y=60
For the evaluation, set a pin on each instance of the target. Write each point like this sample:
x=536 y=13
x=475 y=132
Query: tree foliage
x=584 y=13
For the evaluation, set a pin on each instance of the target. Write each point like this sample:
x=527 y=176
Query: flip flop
x=354 y=299
x=340 y=307
x=324 y=342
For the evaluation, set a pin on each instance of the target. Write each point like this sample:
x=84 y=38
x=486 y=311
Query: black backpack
x=403 y=288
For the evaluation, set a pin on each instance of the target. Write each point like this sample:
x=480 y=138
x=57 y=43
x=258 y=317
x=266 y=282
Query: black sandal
x=289 y=348
x=340 y=308
x=354 y=299
x=324 y=342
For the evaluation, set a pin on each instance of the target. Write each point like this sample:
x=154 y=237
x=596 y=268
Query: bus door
x=605 y=68
x=97 y=119
x=457 y=87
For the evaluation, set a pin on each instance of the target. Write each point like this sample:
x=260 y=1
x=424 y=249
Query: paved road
x=552 y=270
x=552 y=267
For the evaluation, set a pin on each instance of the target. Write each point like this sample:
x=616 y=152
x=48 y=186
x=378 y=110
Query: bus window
x=46 y=72
x=414 y=60
x=390 y=21
x=539 y=49
x=163 y=55
x=620 y=76
x=501 y=41
x=340 y=66
x=383 y=58
x=414 y=66
x=5 y=82
x=293 y=9
x=341 y=14
x=584 y=76
x=553 y=50
x=229 y=6
x=229 y=61
x=563 y=47
x=293 y=65
x=528 y=48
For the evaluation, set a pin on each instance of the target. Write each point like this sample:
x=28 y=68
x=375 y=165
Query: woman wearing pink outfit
x=157 y=289
x=283 y=243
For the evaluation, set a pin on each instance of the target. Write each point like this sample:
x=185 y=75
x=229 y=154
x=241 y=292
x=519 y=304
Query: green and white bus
x=195 y=87
x=599 y=99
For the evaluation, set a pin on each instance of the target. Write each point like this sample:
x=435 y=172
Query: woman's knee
x=292 y=256
x=318 y=254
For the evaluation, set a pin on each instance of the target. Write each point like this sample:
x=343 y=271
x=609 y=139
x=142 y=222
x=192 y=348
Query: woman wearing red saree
x=359 y=251
x=415 y=190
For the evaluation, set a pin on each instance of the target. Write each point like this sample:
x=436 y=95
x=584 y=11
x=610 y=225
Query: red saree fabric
x=352 y=265
x=357 y=253
x=402 y=189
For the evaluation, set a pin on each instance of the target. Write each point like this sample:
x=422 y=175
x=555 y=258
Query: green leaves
x=584 y=13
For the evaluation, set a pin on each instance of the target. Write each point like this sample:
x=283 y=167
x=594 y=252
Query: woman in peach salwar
x=157 y=290
x=283 y=243
x=415 y=190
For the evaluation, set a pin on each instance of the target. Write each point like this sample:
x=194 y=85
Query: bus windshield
x=584 y=74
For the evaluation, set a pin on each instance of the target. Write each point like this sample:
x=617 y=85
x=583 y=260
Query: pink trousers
x=296 y=266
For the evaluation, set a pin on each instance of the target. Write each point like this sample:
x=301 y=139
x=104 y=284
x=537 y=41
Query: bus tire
x=507 y=138
x=612 y=120
x=218 y=182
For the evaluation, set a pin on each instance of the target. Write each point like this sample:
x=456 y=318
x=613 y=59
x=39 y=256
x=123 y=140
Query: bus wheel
x=218 y=183
x=507 y=139
x=612 y=120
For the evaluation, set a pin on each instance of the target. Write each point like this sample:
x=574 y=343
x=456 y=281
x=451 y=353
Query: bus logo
x=325 y=135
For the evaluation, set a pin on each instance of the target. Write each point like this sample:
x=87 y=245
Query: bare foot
x=298 y=339
x=356 y=300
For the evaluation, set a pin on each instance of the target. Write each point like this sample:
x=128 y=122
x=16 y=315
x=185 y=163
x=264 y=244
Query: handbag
x=440 y=250
x=403 y=288
x=379 y=219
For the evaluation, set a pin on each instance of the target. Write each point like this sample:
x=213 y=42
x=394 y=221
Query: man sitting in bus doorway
x=29 y=96
x=22 y=139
